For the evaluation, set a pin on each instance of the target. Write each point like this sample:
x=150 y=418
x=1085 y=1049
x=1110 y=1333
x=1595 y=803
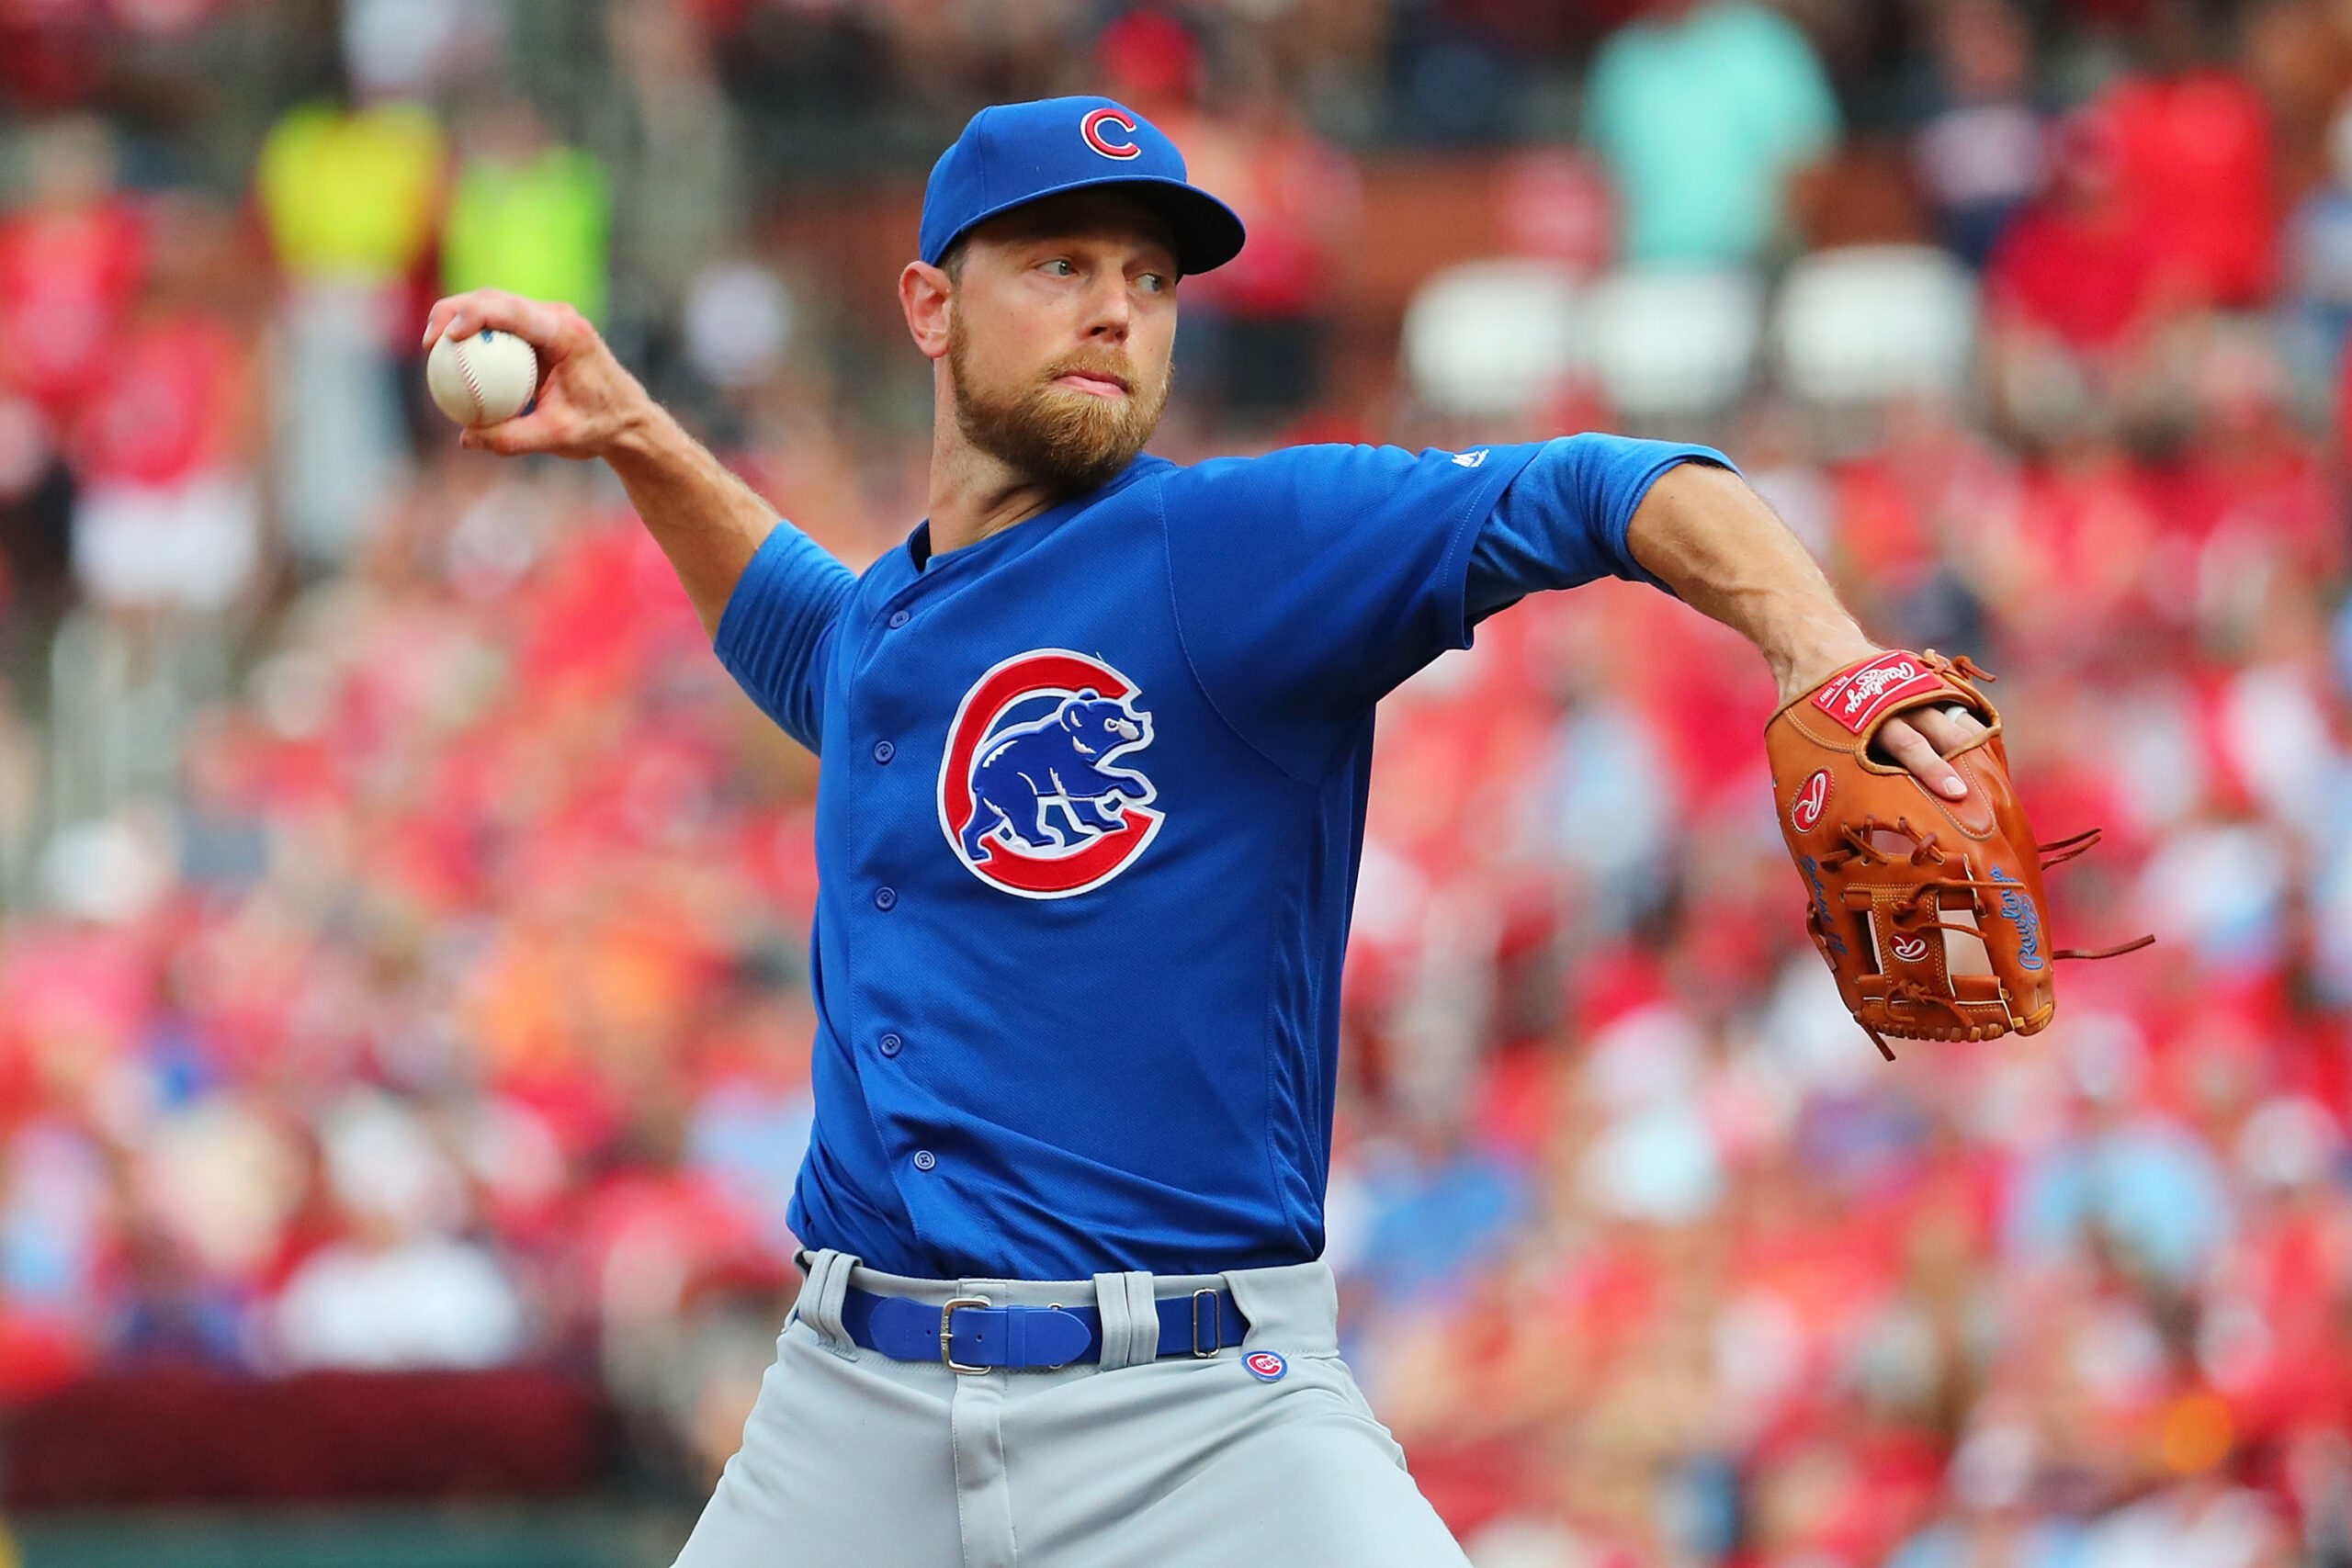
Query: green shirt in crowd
x=1701 y=122
x=349 y=195
x=541 y=229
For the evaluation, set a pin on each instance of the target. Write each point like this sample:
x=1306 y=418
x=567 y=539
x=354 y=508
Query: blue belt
x=967 y=1335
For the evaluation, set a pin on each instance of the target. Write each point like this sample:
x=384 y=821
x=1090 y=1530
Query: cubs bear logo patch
x=1038 y=792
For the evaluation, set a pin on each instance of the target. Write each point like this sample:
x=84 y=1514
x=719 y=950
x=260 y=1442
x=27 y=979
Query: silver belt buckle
x=1216 y=1322
x=947 y=1334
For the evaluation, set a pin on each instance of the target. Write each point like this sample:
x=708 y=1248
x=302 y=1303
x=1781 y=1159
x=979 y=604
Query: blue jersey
x=1088 y=821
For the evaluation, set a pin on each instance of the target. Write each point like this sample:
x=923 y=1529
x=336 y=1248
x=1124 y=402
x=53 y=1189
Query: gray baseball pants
x=852 y=1458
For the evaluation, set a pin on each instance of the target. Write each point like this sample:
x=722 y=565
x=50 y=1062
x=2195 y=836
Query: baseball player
x=1095 y=743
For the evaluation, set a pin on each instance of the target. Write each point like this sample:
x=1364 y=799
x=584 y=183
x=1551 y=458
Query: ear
x=926 y=295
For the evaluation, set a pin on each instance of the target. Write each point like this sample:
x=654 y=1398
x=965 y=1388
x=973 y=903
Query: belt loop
x=820 y=1300
x=1130 y=1319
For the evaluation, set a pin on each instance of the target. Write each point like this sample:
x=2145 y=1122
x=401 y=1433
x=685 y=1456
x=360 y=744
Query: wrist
x=641 y=436
x=1803 y=663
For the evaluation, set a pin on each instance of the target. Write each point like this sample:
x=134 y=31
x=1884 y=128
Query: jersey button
x=884 y=750
x=892 y=1044
x=886 y=898
x=925 y=1159
x=899 y=618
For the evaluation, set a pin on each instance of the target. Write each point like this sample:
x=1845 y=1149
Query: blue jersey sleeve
x=777 y=625
x=1563 y=520
x=1309 y=582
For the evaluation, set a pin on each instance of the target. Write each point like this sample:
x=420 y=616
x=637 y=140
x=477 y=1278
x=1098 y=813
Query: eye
x=1154 y=282
x=1060 y=267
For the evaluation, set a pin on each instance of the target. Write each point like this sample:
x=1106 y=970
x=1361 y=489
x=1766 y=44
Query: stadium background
x=403 y=1009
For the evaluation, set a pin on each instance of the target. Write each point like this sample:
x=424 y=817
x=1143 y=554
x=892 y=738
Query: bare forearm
x=708 y=522
x=1705 y=534
x=1711 y=539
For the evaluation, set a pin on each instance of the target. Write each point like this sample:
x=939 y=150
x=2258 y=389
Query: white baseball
x=481 y=380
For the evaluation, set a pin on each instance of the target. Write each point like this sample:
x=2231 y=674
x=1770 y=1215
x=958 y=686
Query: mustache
x=1112 y=367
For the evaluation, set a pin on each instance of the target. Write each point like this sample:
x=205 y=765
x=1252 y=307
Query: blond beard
x=1068 y=442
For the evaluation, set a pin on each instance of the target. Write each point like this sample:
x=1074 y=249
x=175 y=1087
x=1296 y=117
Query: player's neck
x=974 y=494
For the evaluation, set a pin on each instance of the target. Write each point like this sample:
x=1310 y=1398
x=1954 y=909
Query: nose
x=1109 y=311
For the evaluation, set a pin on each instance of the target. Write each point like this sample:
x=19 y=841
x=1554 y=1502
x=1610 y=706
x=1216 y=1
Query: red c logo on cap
x=1092 y=129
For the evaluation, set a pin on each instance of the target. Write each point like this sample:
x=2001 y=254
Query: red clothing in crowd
x=2194 y=156
x=2089 y=275
x=169 y=408
x=2273 y=492
x=1882 y=533
x=2090 y=526
x=66 y=280
x=1295 y=192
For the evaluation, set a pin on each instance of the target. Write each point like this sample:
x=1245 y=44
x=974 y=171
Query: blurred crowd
x=403 y=957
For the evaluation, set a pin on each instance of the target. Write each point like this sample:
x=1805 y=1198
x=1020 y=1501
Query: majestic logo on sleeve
x=1110 y=132
x=1033 y=795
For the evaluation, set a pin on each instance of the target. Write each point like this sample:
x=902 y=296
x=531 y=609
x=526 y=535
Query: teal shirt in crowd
x=1701 y=123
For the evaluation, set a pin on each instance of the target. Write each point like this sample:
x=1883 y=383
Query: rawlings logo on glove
x=1868 y=693
x=1929 y=911
x=1812 y=801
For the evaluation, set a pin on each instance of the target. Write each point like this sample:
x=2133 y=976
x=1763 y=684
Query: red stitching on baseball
x=465 y=369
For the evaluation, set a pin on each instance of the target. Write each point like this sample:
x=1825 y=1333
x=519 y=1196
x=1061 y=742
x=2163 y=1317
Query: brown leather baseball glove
x=1929 y=911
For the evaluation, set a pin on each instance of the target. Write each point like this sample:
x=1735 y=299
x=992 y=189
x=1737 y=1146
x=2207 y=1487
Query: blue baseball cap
x=1012 y=154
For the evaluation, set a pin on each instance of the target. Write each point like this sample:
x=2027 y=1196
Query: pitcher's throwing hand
x=587 y=401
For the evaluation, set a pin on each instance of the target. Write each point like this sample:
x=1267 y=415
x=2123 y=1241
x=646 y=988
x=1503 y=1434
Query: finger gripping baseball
x=1930 y=912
